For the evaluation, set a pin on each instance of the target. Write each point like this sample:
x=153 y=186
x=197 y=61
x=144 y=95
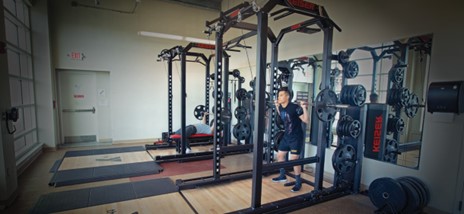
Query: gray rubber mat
x=93 y=174
x=104 y=151
x=56 y=166
x=75 y=199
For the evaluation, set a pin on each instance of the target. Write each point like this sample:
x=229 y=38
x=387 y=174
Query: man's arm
x=304 y=117
x=277 y=105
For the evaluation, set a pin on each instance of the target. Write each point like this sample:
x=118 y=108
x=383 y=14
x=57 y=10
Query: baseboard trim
x=28 y=159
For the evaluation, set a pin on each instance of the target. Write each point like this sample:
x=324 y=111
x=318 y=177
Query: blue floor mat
x=93 y=174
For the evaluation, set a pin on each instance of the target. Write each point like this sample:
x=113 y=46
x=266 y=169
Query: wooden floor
x=210 y=199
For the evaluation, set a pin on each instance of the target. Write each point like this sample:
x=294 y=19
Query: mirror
x=394 y=74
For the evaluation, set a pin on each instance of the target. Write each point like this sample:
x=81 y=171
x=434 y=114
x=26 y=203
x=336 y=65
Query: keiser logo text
x=303 y=4
x=377 y=134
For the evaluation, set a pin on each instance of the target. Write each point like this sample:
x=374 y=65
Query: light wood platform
x=237 y=195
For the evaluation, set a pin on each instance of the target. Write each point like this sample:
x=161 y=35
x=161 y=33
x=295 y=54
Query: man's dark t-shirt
x=290 y=115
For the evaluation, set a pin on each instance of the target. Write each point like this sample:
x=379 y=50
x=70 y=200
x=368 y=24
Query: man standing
x=292 y=115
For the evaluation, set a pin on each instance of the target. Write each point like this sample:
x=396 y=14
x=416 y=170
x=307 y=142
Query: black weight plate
x=343 y=57
x=351 y=70
x=391 y=150
x=242 y=131
x=422 y=188
x=412 y=108
x=417 y=188
x=387 y=194
x=355 y=128
x=236 y=73
x=323 y=111
x=344 y=159
x=414 y=200
x=342 y=125
x=242 y=79
x=425 y=189
x=199 y=111
x=396 y=74
x=240 y=112
x=241 y=94
x=359 y=93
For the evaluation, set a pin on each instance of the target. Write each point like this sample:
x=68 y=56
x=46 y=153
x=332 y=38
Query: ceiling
x=210 y=4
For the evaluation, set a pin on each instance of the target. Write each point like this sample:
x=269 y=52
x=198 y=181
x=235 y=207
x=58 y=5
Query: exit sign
x=76 y=55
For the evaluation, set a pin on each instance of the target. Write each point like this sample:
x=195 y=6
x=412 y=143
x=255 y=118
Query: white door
x=78 y=106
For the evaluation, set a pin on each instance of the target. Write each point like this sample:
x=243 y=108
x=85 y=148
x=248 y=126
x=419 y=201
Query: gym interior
x=94 y=91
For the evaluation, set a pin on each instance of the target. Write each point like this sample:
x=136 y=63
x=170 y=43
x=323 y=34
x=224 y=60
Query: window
x=21 y=76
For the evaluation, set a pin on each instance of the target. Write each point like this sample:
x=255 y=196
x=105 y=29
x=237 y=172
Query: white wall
x=109 y=40
x=43 y=74
x=372 y=22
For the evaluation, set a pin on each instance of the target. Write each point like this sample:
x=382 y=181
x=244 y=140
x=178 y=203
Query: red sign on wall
x=78 y=96
x=76 y=56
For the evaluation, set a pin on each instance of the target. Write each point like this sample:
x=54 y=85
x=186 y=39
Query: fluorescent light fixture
x=203 y=41
x=175 y=37
x=160 y=35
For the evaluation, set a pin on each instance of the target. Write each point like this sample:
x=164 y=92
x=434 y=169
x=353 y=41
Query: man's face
x=283 y=97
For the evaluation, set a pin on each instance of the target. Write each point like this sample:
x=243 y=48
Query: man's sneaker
x=187 y=151
x=296 y=188
x=279 y=179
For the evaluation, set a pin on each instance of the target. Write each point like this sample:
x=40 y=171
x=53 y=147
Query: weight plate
x=395 y=124
x=325 y=100
x=344 y=159
x=391 y=151
x=242 y=131
x=387 y=194
x=351 y=70
x=416 y=188
x=412 y=106
x=242 y=79
x=343 y=57
x=396 y=74
x=354 y=95
x=241 y=94
x=347 y=127
x=426 y=191
x=199 y=111
x=421 y=188
x=240 y=113
x=236 y=73
x=413 y=197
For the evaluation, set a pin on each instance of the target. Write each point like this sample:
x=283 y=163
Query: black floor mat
x=93 y=174
x=55 y=166
x=104 y=151
x=75 y=199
